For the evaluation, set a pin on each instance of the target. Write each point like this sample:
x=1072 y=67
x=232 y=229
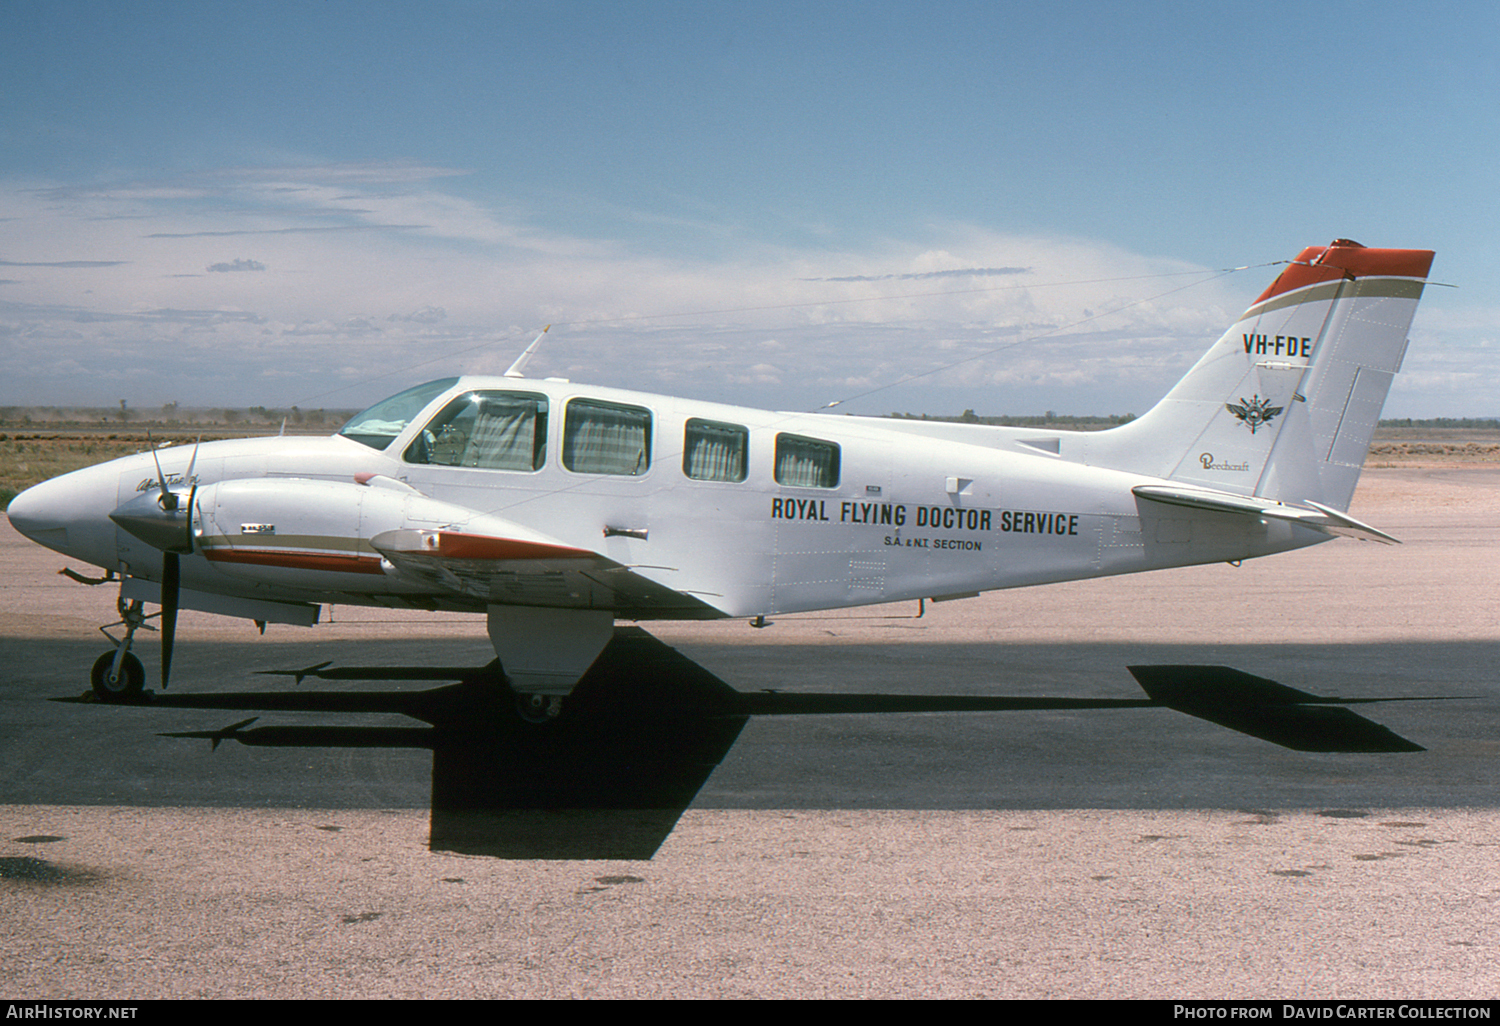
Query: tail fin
x=1284 y=405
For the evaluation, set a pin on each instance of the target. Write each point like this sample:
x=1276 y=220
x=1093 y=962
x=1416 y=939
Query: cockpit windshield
x=378 y=426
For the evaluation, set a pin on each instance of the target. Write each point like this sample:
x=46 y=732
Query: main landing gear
x=539 y=708
x=118 y=676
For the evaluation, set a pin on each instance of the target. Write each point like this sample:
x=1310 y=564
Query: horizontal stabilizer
x=1346 y=526
x=1265 y=709
x=1313 y=515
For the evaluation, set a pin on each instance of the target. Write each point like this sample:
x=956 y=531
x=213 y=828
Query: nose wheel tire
x=123 y=688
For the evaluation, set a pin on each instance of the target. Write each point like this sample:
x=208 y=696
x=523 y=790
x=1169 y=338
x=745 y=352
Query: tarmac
x=1131 y=853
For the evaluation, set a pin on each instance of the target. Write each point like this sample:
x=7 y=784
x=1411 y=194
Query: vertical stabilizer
x=1284 y=405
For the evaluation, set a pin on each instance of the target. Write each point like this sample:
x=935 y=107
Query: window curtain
x=503 y=437
x=806 y=463
x=601 y=439
x=714 y=452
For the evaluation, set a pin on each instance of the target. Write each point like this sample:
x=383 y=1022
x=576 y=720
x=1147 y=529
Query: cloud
x=366 y=173
x=962 y=272
x=302 y=230
x=426 y=315
x=62 y=263
x=383 y=278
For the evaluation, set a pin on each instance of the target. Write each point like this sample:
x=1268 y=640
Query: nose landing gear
x=118 y=676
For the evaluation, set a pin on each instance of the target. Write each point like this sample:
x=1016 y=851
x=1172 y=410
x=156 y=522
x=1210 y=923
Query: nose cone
x=70 y=514
x=38 y=515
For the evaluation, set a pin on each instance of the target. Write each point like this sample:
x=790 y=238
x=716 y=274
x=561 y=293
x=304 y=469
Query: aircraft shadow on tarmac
x=644 y=729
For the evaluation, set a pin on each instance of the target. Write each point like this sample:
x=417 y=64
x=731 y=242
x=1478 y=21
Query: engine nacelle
x=315 y=534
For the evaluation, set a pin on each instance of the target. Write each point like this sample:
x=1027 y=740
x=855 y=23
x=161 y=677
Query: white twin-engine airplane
x=556 y=509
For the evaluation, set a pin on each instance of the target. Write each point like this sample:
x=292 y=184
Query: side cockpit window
x=806 y=462
x=712 y=451
x=497 y=430
x=606 y=438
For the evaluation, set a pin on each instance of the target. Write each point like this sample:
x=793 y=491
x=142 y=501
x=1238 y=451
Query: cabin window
x=806 y=462
x=606 y=438
x=378 y=426
x=714 y=452
x=487 y=430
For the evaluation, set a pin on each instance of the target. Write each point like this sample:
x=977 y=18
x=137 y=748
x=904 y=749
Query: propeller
x=158 y=522
x=229 y=733
x=171 y=569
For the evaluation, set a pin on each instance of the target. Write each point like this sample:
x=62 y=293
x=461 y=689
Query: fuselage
x=744 y=512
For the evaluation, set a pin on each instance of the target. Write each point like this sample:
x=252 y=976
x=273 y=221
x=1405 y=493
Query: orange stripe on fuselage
x=296 y=560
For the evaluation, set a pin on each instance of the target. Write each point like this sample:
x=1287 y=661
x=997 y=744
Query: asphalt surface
x=1109 y=852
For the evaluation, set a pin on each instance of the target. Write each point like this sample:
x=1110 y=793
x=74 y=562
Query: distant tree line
x=1048 y=419
x=1084 y=423
x=173 y=414
x=1491 y=423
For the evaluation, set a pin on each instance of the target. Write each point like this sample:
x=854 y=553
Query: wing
x=317 y=538
x=519 y=570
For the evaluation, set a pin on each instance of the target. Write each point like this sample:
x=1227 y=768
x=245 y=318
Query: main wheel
x=539 y=708
x=124 y=688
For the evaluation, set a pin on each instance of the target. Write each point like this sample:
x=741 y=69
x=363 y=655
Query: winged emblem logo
x=1254 y=413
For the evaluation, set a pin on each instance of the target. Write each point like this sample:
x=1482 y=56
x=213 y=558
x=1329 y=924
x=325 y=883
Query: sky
x=898 y=206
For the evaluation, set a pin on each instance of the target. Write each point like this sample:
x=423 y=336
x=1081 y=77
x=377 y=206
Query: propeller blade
x=187 y=524
x=192 y=461
x=171 y=582
x=230 y=732
x=167 y=498
x=171 y=574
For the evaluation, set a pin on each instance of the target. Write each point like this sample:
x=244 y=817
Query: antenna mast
x=516 y=368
